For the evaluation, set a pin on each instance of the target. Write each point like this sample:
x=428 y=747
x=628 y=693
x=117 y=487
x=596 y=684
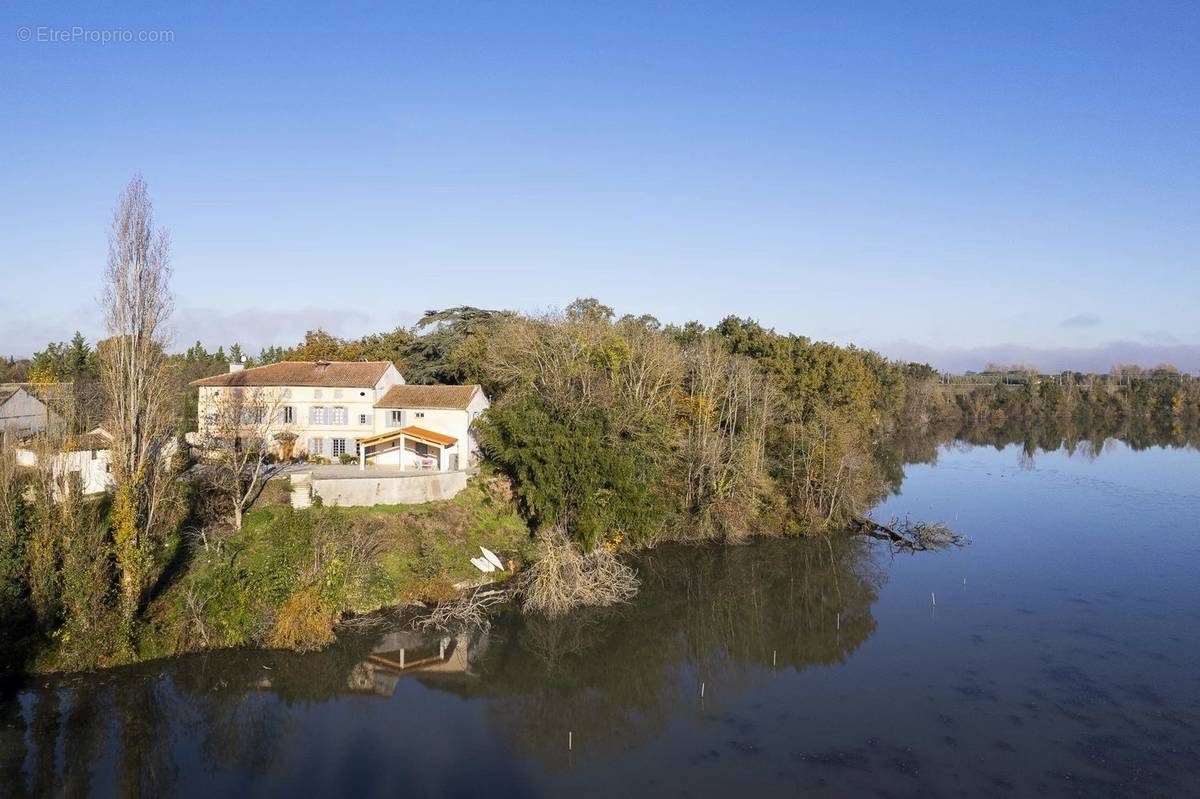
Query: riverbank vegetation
x=288 y=577
x=607 y=434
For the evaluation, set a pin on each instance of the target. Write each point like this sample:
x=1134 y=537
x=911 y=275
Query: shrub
x=432 y=557
x=303 y=623
x=568 y=473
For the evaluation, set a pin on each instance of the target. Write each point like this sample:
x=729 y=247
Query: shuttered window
x=316 y=414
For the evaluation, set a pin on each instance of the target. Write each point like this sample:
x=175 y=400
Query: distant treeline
x=1086 y=400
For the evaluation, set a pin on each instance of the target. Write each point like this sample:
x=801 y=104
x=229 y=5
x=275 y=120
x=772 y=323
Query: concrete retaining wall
x=391 y=490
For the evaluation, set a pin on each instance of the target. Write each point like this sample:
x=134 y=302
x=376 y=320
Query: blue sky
x=951 y=182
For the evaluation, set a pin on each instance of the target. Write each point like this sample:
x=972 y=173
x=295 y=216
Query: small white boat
x=492 y=558
x=483 y=564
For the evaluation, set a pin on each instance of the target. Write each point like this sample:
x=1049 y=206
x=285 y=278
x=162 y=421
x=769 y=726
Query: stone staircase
x=301 y=490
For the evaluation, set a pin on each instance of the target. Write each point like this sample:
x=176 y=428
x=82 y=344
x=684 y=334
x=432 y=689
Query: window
x=339 y=447
x=339 y=415
x=93 y=454
x=210 y=418
x=316 y=446
x=420 y=414
x=289 y=414
x=397 y=419
x=364 y=418
x=316 y=414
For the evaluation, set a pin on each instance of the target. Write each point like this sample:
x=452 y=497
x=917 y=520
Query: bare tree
x=137 y=305
x=235 y=437
x=726 y=404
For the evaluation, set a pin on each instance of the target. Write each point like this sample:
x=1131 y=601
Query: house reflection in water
x=407 y=652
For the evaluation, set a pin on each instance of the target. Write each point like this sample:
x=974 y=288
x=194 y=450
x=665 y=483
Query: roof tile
x=331 y=374
x=433 y=397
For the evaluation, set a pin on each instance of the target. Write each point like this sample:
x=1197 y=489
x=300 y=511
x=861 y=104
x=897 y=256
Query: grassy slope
x=238 y=594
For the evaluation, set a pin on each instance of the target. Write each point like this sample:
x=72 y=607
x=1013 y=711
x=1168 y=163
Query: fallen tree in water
x=910 y=536
x=471 y=610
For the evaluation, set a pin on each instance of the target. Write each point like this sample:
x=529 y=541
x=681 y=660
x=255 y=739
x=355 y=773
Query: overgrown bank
x=289 y=577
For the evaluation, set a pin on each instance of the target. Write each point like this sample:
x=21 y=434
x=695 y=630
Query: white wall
x=407 y=490
x=91 y=465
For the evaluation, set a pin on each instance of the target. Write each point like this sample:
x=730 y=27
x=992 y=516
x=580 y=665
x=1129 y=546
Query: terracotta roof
x=412 y=431
x=331 y=374
x=444 y=397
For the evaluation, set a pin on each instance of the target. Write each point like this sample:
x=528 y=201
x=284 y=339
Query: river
x=1056 y=655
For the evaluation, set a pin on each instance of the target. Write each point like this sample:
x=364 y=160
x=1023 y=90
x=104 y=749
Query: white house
x=425 y=427
x=362 y=410
x=88 y=456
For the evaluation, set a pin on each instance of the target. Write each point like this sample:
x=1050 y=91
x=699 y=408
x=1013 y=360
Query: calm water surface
x=1057 y=655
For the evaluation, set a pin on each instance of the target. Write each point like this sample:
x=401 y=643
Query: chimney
x=237 y=366
x=322 y=365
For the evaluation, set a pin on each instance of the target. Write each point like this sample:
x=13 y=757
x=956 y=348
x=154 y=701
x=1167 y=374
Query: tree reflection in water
x=704 y=614
x=615 y=677
x=82 y=740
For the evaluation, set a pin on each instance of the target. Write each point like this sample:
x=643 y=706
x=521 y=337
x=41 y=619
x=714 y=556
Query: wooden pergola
x=439 y=441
